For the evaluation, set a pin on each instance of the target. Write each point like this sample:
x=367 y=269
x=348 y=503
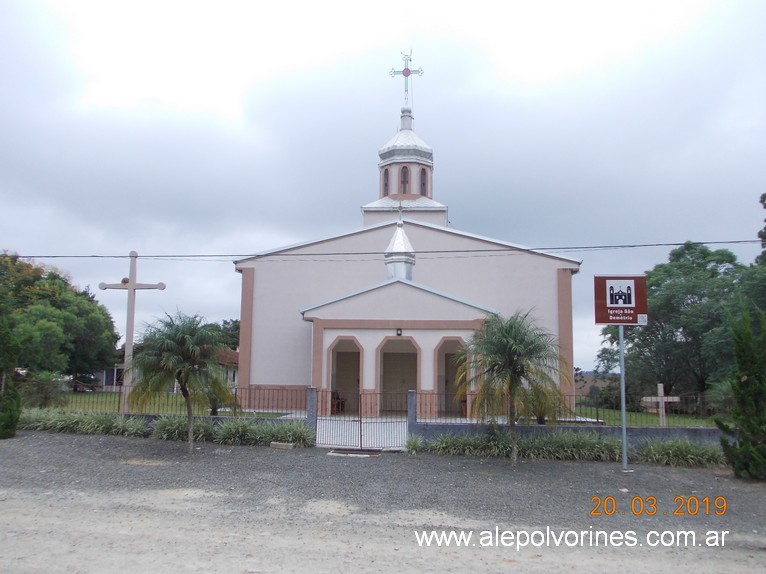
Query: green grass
x=612 y=417
x=169 y=404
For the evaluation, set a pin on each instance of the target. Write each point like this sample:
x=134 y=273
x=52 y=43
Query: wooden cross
x=131 y=285
x=406 y=72
x=661 y=399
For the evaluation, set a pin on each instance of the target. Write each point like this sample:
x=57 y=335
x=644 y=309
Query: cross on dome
x=406 y=72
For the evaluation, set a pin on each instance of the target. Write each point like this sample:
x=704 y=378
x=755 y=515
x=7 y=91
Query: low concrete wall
x=636 y=435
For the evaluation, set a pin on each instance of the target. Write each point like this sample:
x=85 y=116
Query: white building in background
x=382 y=309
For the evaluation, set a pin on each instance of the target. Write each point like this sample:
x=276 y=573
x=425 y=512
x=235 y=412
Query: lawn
x=612 y=417
x=170 y=403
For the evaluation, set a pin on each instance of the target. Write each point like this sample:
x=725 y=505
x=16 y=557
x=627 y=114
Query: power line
x=457 y=253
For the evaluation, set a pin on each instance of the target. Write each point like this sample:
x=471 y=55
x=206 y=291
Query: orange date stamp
x=647 y=506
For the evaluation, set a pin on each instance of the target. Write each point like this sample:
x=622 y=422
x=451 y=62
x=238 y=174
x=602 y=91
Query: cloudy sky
x=228 y=128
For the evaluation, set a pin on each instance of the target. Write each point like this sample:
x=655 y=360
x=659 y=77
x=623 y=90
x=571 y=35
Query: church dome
x=406 y=145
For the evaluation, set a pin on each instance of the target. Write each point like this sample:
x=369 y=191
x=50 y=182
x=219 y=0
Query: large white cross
x=661 y=399
x=129 y=283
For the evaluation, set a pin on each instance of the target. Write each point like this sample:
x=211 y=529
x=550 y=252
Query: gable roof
x=418 y=291
x=439 y=228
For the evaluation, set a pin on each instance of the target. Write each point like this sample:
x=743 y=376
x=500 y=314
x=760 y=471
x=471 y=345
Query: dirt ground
x=110 y=504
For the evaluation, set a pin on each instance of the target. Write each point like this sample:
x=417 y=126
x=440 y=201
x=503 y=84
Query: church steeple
x=406 y=163
x=400 y=256
x=406 y=169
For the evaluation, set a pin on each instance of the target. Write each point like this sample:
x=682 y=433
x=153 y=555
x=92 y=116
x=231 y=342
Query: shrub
x=131 y=426
x=249 y=432
x=571 y=445
x=293 y=431
x=174 y=427
x=95 y=423
x=744 y=439
x=65 y=423
x=565 y=445
x=10 y=410
x=171 y=427
x=679 y=452
x=36 y=419
x=413 y=445
x=235 y=432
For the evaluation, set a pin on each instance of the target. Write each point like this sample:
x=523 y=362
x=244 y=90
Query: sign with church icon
x=620 y=300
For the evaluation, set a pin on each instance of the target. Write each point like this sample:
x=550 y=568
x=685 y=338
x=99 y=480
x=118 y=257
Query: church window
x=385 y=182
x=405 y=183
x=423 y=185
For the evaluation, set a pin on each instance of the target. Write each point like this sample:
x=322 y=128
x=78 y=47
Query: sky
x=224 y=128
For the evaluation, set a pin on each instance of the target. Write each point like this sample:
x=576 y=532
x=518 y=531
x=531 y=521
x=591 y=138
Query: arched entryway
x=446 y=375
x=399 y=367
x=346 y=361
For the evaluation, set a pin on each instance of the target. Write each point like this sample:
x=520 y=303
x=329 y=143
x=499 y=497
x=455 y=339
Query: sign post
x=621 y=300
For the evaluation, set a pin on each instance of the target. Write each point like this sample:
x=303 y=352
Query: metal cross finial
x=406 y=72
x=130 y=284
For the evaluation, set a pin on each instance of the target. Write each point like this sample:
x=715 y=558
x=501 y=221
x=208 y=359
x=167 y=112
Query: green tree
x=752 y=285
x=43 y=389
x=686 y=345
x=9 y=343
x=761 y=259
x=502 y=359
x=40 y=328
x=60 y=328
x=10 y=401
x=180 y=350
x=747 y=452
x=230 y=332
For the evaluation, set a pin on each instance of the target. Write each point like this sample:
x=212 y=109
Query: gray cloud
x=664 y=146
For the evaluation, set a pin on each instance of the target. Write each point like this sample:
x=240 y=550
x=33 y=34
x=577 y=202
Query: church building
x=382 y=309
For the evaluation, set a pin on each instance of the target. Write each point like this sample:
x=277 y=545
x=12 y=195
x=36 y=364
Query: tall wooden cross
x=131 y=285
x=406 y=72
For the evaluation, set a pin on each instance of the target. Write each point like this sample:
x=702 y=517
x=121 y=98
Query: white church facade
x=383 y=309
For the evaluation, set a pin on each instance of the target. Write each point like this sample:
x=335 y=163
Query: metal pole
x=622 y=403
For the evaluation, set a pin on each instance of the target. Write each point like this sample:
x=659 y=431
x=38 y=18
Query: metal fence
x=258 y=402
x=642 y=411
x=380 y=420
x=364 y=420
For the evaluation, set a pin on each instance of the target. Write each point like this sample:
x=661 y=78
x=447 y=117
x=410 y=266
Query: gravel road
x=72 y=503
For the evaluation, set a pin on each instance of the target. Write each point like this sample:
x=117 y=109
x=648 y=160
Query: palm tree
x=502 y=362
x=180 y=350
